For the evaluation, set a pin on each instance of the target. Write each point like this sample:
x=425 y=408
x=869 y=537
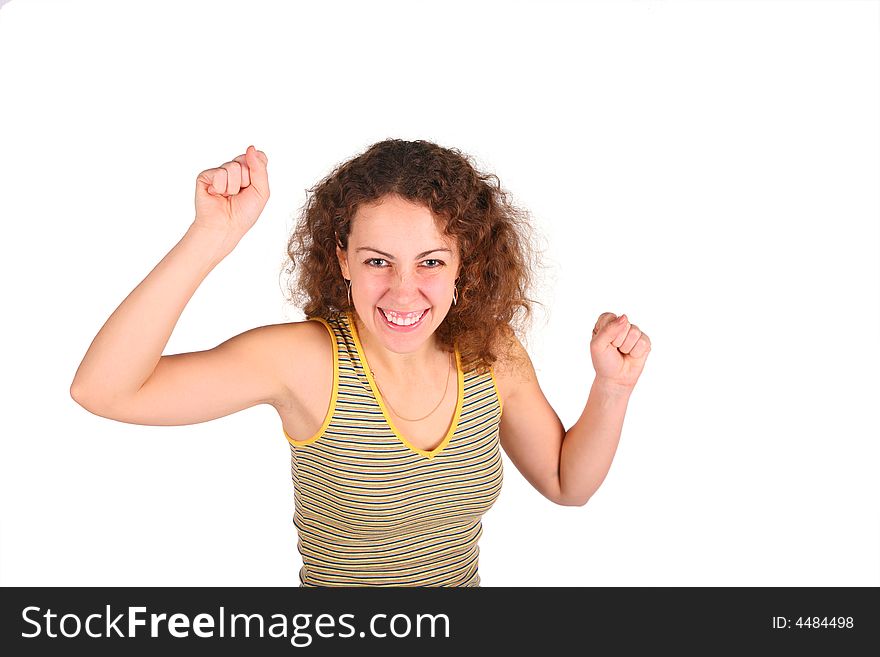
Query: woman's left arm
x=568 y=467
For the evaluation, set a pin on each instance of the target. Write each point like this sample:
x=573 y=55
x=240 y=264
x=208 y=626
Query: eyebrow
x=391 y=257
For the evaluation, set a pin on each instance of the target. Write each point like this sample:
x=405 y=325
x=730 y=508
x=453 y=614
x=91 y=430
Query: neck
x=414 y=366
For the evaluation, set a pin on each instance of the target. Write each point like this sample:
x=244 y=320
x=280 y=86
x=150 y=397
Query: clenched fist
x=619 y=350
x=230 y=198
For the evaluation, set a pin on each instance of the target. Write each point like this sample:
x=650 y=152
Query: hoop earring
x=348 y=284
x=454 y=295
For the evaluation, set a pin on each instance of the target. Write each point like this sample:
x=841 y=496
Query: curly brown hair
x=493 y=235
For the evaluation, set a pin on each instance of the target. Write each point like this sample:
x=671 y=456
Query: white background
x=709 y=168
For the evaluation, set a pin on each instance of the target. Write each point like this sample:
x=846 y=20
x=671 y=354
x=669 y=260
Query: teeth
x=401 y=320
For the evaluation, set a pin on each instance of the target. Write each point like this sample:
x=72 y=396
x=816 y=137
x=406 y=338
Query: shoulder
x=302 y=344
x=514 y=368
x=294 y=338
x=297 y=352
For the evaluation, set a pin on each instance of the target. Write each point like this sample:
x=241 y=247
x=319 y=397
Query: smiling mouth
x=403 y=320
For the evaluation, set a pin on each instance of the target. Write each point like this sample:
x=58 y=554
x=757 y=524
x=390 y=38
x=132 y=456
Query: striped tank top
x=373 y=510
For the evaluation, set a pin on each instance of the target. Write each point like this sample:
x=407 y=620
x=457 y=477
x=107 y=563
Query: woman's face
x=402 y=271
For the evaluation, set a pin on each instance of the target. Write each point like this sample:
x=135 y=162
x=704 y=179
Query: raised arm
x=567 y=467
x=124 y=362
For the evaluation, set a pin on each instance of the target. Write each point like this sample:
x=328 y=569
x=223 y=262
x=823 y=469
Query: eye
x=439 y=263
x=370 y=262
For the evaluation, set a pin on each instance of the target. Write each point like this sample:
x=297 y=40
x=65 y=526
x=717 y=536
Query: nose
x=403 y=281
x=404 y=285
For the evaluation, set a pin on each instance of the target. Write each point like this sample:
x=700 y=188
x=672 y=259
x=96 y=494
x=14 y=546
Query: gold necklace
x=384 y=396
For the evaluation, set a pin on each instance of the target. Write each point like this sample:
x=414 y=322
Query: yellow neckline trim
x=332 y=409
x=365 y=365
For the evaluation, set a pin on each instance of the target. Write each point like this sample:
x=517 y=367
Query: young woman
x=413 y=275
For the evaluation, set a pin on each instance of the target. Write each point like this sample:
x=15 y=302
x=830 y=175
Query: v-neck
x=378 y=396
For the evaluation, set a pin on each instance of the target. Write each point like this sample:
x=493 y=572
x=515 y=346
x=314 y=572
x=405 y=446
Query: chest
x=421 y=417
x=429 y=415
x=379 y=471
x=361 y=476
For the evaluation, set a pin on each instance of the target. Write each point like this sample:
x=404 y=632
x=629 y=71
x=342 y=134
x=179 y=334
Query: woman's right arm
x=124 y=375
